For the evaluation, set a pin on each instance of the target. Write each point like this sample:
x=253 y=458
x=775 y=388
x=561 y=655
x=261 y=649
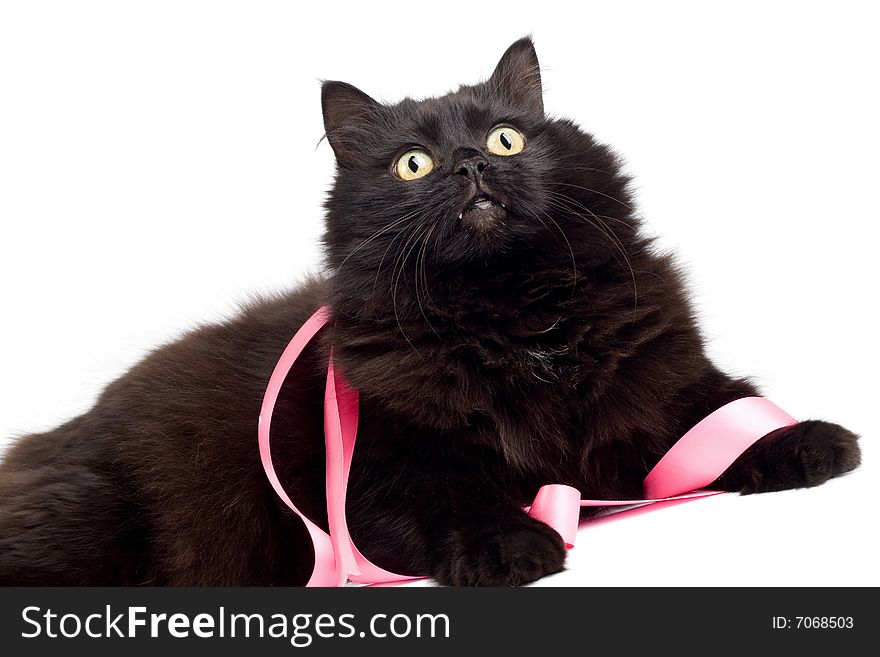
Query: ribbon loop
x=559 y=506
x=713 y=444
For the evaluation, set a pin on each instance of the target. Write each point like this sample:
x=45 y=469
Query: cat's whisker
x=382 y=262
x=377 y=234
x=567 y=242
x=570 y=251
x=596 y=191
x=569 y=201
x=565 y=203
x=374 y=236
x=423 y=256
x=405 y=253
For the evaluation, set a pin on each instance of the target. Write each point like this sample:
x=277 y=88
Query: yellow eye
x=505 y=140
x=414 y=164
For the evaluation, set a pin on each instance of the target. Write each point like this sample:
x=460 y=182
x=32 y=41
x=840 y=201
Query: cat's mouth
x=483 y=212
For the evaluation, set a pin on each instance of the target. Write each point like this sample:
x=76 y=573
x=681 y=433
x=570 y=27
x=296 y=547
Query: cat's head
x=475 y=181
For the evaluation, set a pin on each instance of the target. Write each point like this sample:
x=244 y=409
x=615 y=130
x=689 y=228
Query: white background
x=158 y=163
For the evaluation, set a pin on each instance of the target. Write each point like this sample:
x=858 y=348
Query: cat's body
x=533 y=338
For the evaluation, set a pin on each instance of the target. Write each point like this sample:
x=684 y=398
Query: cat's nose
x=471 y=167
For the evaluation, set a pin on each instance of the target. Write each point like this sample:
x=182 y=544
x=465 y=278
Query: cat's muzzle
x=483 y=213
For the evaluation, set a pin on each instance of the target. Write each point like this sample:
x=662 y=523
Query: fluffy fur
x=540 y=341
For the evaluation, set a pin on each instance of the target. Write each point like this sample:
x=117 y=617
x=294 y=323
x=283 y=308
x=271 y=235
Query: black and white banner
x=431 y=621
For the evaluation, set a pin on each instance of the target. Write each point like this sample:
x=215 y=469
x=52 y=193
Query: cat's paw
x=800 y=456
x=510 y=553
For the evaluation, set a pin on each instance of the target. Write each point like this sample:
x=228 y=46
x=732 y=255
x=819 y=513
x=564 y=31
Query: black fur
x=541 y=341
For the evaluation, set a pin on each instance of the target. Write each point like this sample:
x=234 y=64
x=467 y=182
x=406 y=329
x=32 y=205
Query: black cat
x=507 y=327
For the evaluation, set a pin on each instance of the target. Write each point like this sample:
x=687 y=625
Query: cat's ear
x=349 y=115
x=518 y=76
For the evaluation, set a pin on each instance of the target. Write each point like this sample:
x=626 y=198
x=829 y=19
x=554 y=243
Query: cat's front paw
x=800 y=456
x=509 y=553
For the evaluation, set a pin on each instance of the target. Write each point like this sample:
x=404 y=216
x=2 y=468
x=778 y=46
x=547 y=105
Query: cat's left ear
x=349 y=115
x=518 y=76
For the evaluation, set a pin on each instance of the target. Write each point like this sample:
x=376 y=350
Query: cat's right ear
x=518 y=76
x=349 y=115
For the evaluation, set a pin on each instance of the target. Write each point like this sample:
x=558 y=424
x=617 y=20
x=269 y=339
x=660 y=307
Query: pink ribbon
x=696 y=460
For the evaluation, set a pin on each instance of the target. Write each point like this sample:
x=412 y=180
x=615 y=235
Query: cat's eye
x=505 y=140
x=414 y=164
